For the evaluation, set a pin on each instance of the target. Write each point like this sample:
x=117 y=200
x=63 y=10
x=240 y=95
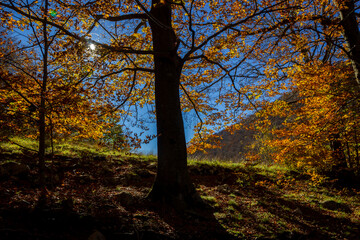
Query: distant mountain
x=235 y=146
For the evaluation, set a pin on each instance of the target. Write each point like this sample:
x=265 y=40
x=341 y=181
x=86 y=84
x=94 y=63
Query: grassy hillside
x=94 y=192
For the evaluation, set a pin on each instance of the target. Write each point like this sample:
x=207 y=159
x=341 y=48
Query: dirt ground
x=103 y=198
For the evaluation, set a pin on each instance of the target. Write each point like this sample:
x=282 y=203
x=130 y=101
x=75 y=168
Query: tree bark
x=338 y=151
x=42 y=111
x=351 y=33
x=172 y=184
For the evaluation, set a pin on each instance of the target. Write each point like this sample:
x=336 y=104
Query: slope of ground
x=235 y=146
x=102 y=197
x=232 y=146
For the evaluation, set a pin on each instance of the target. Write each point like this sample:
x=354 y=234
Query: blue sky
x=151 y=147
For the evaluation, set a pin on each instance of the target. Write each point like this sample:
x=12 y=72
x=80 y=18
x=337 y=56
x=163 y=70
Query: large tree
x=181 y=33
x=156 y=48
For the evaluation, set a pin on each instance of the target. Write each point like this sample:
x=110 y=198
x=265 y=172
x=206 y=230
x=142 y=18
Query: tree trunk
x=357 y=158
x=42 y=111
x=42 y=138
x=338 y=151
x=172 y=184
x=349 y=160
x=351 y=33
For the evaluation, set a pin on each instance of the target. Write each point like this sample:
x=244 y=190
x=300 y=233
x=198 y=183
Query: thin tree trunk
x=42 y=111
x=357 y=159
x=172 y=184
x=52 y=137
x=338 y=151
x=349 y=163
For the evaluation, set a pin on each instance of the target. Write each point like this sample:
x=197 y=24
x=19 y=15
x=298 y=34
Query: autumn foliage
x=319 y=129
x=83 y=68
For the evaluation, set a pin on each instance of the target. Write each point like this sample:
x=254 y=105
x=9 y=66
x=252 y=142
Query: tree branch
x=151 y=17
x=231 y=78
x=129 y=93
x=123 y=17
x=196 y=111
x=232 y=25
x=17 y=92
x=74 y=35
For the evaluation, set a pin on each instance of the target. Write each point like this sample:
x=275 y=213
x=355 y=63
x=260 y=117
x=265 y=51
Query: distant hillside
x=235 y=146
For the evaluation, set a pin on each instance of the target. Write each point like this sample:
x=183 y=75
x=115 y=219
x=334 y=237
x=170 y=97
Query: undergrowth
x=249 y=201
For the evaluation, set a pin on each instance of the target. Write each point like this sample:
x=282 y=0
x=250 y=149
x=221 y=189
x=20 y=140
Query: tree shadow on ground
x=100 y=195
x=311 y=219
x=301 y=220
x=194 y=224
x=109 y=196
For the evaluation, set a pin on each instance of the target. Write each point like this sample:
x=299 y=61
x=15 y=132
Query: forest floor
x=102 y=197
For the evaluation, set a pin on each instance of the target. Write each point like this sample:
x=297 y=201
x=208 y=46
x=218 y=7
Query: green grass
x=270 y=170
x=213 y=163
x=18 y=145
x=264 y=217
x=285 y=185
x=68 y=148
x=209 y=199
x=259 y=199
x=231 y=209
x=260 y=168
x=220 y=215
x=232 y=202
x=146 y=158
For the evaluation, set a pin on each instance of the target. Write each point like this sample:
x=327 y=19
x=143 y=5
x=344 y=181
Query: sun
x=92 y=46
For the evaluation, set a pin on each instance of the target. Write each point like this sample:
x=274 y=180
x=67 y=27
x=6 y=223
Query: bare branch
x=232 y=25
x=128 y=95
x=190 y=22
x=123 y=17
x=151 y=17
x=74 y=35
x=123 y=70
x=196 y=111
x=231 y=78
